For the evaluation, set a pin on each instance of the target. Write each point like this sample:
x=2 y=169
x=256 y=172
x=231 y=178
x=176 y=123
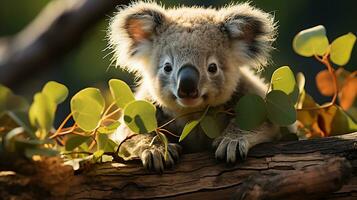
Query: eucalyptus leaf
x=210 y=126
x=341 y=49
x=75 y=141
x=191 y=125
x=121 y=92
x=55 y=91
x=140 y=116
x=283 y=79
x=42 y=113
x=250 y=112
x=188 y=128
x=87 y=107
x=109 y=128
x=312 y=41
x=280 y=109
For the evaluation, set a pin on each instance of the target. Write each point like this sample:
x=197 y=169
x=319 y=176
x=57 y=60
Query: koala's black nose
x=187 y=81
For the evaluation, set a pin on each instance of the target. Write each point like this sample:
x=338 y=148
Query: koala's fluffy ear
x=252 y=32
x=132 y=31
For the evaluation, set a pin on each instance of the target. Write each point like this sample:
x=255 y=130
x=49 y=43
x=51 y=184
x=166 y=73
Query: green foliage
x=74 y=141
x=210 y=126
x=109 y=128
x=328 y=119
x=55 y=91
x=341 y=49
x=191 y=125
x=312 y=41
x=188 y=128
x=121 y=93
x=280 y=109
x=251 y=111
x=140 y=116
x=42 y=113
x=11 y=102
x=283 y=79
x=87 y=108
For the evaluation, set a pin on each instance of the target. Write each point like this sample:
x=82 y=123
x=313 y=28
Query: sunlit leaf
x=188 y=128
x=74 y=141
x=279 y=108
x=341 y=49
x=109 y=128
x=87 y=107
x=105 y=143
x=140 y=116
x=191 y=125
x=283 y=79
x=324 y=83
x=250 y=112
x=55 y=91
x=11 y=102
x=210 y=126
x=348 y=93
x=42 y=112
x=121 y=92
x=312 y=41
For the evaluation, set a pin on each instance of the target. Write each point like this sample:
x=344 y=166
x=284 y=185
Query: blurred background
x=87 y=63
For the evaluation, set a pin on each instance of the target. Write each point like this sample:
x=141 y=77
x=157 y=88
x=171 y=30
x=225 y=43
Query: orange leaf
x=348 y=93
x=324 y=83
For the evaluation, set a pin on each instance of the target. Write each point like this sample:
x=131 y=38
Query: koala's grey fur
x=237 y=38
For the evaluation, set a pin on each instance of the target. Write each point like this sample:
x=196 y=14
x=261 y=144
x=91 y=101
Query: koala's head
x=190 y=57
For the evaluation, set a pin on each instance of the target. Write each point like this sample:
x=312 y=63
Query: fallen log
x=313 y=169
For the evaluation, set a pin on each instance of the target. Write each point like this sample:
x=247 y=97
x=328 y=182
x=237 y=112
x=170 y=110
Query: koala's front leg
x=151 y=151
x=235 y=141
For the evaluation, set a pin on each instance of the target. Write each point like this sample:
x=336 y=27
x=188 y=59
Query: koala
x=188 y=58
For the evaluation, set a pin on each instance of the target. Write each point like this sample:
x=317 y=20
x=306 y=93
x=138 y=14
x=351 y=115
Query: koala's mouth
x=189 y=102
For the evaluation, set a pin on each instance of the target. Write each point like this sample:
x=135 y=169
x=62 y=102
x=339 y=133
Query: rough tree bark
x=55 y=31
x=314 y=169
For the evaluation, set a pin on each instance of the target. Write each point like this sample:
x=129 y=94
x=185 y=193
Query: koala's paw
x=229 y=146
x=153 y=157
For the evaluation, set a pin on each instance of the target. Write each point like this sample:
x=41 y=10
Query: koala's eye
x=212 y=68
x=167 y=67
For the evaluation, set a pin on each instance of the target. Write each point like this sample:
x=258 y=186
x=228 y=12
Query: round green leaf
x=10 y=101
x=341 y=49
x=140 y=116
x=280 y=109
x=188 y=128
x=312 y=41
x=74 y=141
x=121 y=92
x=283 y=79
x=42 y=112
x=56 y=91
x=250 y=112
x=110 y=128
x=87 y=107
x=210 y=127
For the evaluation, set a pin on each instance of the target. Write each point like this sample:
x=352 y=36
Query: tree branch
x=311 y=169
x=54 y=32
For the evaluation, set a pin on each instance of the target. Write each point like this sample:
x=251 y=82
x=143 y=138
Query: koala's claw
x=153 y=157
x=228 y=146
